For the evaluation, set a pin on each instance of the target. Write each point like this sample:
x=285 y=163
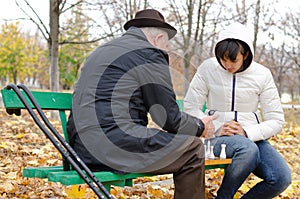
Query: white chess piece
x=203 y=140
x=206 y=151
x=208 y=146
x=223 y=152
x=211 y=154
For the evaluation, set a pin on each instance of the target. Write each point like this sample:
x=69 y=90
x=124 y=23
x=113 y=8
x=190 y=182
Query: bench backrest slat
x=47 y=100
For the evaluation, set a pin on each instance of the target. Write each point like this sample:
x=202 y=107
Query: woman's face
x=233 y=66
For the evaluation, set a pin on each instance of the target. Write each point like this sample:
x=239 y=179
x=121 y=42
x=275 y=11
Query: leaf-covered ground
x=23 y=145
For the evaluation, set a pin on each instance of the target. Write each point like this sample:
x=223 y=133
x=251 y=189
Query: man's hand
x=209 y=130
x=231 y=128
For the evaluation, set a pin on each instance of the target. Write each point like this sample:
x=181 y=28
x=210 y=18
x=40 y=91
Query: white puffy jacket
x=250 y=97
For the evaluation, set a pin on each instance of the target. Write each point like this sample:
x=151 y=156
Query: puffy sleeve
x=202 y=90
x=272 y=112
x=196 y=95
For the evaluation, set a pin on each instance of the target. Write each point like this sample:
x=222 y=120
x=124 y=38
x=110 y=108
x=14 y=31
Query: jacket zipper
x=256 y=117
x=233 y=97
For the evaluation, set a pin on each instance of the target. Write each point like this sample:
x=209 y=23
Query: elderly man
x=121 y=82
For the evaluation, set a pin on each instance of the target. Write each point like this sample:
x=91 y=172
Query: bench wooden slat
x=47 y=100
x=71 y=177
x=209 y=162
x=40 y=172
x=217 y=163
x=107 y=178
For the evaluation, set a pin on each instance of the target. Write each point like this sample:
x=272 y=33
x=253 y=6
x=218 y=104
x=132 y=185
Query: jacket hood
x=237 y=31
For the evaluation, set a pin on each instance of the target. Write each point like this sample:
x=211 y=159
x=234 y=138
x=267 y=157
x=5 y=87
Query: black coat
x=120 y=84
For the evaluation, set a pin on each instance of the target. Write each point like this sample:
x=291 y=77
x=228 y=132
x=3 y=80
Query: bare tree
x=51 y=34
x=191 y=18
x=293 y=22
x=256 y=23
x=241 y=11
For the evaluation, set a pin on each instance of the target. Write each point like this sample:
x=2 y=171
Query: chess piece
x=207 y=149
x=203 y=140
x=208 y=146
x=223 y=152
x=211 y=154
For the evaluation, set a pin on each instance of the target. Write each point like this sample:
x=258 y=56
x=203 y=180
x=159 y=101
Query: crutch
x=58 y=141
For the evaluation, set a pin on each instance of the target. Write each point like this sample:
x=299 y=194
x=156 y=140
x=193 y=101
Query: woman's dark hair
x=229 y=49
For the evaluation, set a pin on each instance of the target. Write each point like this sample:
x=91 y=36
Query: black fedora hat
x=150 y=18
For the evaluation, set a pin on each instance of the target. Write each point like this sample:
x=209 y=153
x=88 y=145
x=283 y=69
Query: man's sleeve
x=160 y=99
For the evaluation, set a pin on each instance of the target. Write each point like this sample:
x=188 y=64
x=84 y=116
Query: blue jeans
x=259 y=158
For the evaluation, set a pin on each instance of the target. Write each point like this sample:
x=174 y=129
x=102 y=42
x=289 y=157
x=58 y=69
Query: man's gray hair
x=153 y=31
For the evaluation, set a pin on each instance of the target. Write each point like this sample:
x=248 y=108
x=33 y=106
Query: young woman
x=236 y=88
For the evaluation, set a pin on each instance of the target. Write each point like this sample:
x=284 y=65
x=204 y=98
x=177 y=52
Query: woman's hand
x=231 y=128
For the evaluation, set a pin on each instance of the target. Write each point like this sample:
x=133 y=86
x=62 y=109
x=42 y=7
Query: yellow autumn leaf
x=3 y=145
x=237 y=195
x=155 y=191
x=115 y=190
x=33 y=163
x=76 y=191
x=42 y=160
x=151 y=178
x=244 y=188
x=60 y=156
x=280 y=136
x=20 y=135
x=52 y=162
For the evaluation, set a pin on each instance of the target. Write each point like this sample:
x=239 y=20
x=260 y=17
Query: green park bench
x=62 y=102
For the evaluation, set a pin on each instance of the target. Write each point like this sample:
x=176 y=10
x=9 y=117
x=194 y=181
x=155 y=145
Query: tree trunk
x=256 y=24
x=54 y=32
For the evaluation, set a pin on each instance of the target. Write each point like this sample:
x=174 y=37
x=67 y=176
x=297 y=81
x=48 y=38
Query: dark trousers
x=188 y=172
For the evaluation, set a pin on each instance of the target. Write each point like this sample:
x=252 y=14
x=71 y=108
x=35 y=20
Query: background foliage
x=84 y=24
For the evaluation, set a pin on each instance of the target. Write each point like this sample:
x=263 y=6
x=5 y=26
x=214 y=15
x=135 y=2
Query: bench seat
x=57 y=174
